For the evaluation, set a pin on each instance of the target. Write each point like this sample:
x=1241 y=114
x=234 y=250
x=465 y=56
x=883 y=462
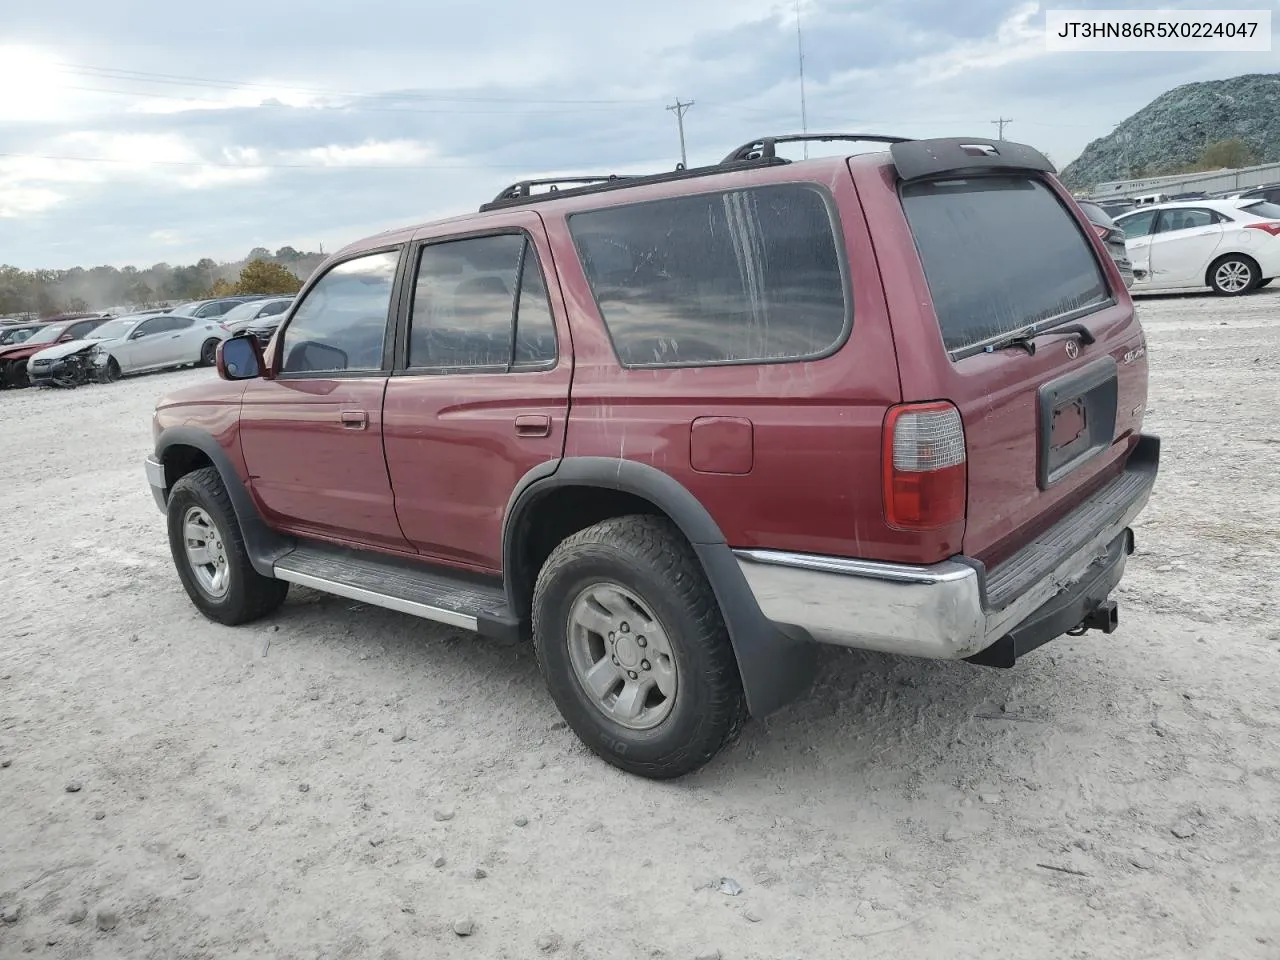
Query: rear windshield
x=1263 y=208
x=1000 y=254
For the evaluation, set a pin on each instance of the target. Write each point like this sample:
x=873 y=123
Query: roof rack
x=766 y=147
x=757 y=153
x=518 y=194
x=523 y=189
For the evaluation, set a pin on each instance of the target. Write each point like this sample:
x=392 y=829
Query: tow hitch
x=1104 y=617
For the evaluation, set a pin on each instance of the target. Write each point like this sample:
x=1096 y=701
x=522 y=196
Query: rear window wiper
x=1027 y=341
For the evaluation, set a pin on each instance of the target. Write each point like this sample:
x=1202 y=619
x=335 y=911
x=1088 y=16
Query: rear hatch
x=1003 y=254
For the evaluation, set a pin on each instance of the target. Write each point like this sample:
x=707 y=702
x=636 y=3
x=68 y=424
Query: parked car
x=13 y=358
x=17 y=332
x=1230 y=246
x=678 y=429
x=259 y=317
x=1269 y=192
x=209 y=309
x=1113 y=208
x=137 y=344
x=1111 y=235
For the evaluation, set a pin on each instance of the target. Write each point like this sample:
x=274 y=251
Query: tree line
x=44 y=293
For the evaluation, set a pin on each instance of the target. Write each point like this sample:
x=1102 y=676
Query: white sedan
x=139 y=343
x=1229 y=246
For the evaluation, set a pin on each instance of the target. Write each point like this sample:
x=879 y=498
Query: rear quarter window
x=742 y=276
x=1000 y=254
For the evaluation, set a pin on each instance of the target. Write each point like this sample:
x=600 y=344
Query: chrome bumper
x=954 y=609
x=156 y=480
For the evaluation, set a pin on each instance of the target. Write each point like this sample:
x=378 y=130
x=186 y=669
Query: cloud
x=272 y=128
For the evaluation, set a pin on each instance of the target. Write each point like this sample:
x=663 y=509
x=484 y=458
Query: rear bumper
x=956 y=609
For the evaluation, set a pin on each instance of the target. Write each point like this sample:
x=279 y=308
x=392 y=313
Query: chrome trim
x=898 y=573
x=932 y=611
x=156 y=480
x=155 y=472
x=411 y=607
x=917 y=611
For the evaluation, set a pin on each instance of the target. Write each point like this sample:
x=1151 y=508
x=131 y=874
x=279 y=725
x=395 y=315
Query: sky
x=143 y=131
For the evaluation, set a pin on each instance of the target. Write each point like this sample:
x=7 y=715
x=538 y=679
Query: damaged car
x=137 y=343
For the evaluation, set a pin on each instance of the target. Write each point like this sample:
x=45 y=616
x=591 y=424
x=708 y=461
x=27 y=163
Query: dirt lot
x=243 y=791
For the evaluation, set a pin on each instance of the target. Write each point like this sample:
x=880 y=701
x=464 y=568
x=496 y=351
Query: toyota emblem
x=1073 y=349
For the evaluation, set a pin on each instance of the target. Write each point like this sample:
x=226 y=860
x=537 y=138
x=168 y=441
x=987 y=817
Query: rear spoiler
x=965 y=156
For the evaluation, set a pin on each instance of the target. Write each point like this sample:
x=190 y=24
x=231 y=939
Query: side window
x=341 y=324
x=1186 y=219
x=1138 y=225
x=535 y=330
x=744 y=276
x=149 y=327
x=179 y=323
x=471 y=296
x=271 y=309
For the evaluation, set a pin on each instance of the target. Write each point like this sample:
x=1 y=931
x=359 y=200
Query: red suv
x=680 y=429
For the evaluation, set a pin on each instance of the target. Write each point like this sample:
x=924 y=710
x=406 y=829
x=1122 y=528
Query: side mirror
x=240 y=358
x=137 y=335
x=65 y=338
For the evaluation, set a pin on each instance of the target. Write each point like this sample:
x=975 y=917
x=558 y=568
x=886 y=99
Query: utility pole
x=680 y=109
x=804 y=109
x=1000 y=123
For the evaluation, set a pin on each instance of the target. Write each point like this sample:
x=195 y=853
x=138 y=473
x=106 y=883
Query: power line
x=1001 y=124
x=680 y=109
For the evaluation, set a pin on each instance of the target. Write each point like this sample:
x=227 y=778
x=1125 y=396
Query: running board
x=444 y=597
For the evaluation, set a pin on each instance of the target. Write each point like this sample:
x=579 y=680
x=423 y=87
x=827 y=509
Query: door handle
x=533 y=425
x=354 y=419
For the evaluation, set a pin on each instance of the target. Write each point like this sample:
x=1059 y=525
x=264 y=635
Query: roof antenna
x=804 y=111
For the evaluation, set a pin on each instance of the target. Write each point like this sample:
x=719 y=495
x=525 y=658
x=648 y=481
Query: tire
x=675 y=731
x=244 y=594
x=1233 y=275
x=1262 y=283
x=208 y=352
x=112 y=371
x=13 y=375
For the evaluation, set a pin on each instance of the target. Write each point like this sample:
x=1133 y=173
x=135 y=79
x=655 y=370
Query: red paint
x=786 y=456
x=721 y=445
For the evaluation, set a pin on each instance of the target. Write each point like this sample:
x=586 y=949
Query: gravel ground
x=345 y=782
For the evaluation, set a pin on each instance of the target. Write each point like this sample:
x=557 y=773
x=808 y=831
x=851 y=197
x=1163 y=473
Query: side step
x=443 y=596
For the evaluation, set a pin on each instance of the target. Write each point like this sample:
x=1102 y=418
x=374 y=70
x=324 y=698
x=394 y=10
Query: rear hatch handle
x=1027 y=341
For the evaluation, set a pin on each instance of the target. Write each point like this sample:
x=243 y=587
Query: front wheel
x=111 y=372
x=1233 y=275
x=634 y=650
x=209 y=353
x=209 y=552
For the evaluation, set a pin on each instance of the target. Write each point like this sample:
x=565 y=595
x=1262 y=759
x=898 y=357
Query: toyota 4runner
x=680 y=429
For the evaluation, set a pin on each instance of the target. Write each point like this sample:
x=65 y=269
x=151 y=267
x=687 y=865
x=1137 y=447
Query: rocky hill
x=1175 y=128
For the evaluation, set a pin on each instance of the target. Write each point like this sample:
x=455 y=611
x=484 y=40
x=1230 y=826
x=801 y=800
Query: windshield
x=112 y=329
x=49 y=334
x=188 y=309
x=1263 y=208
x=15 y=335
x=246 y=311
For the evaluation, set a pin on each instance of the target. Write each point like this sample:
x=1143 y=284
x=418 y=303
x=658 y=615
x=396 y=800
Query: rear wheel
x=1233 y=275
x=209 y=552
x=209 y=353
x=634 y=650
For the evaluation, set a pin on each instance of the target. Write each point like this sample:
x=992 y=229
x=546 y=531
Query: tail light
x=1101 y=231
x=925 y=471
x=1269 y=226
